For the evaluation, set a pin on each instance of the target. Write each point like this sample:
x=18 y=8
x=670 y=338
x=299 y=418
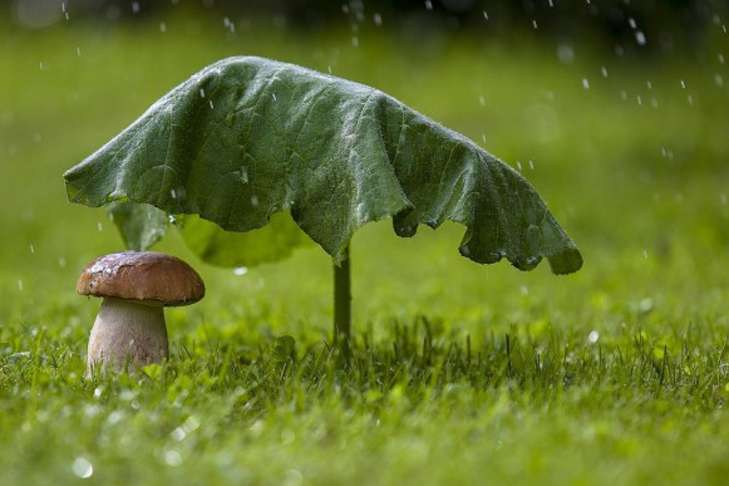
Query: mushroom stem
x=127 y=332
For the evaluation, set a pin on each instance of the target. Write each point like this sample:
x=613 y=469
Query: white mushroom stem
x=127 y=332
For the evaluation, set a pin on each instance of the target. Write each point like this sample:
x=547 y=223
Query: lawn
x=460 y=373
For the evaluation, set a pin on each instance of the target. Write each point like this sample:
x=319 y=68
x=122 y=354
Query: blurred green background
x=615 y=111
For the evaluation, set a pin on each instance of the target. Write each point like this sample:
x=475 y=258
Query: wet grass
x=459 y=373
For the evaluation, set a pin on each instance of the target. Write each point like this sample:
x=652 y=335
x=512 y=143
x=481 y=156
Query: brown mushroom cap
x=146 y=276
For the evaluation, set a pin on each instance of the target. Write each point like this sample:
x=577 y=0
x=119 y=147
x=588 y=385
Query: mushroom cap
x=146 y=276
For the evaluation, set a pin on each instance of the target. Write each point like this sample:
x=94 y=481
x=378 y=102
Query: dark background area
x=649 y=27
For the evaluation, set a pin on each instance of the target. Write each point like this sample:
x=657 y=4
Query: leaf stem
x=342 y=302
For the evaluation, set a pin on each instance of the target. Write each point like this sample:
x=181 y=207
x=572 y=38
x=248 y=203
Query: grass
x=460 y=372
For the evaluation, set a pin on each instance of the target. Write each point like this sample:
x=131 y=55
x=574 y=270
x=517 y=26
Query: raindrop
x=604 y=72
x=377 y=19
x=202 y=93
x=273 y=95
x=355 y=41
x=721 y=59
x=428 y=5
x=162 y=27
x=518 y=165
x=99 y=226
x=639 y=100
x=690 y=100
x=683 y=84
x=179 y=434
x=585 y=83
x=82 y=468
x=593 y=337
x=240 y=271
x=649 y=85
x=32 y=248
x=550 y=3
x=531 y=164
x=640 y=38
x=254 y=200
x=62 y=262
x=135 y=7
x=645 y=254
x=20 y=285
x=723 y=199
x=623 y=95
x=631 y=22
x=78 y=51
x=534 y=24
x=171 y=218
x=718 y=80
x=212 y=106
x=173 y=458
x=482 y=100
x=654 y=102
x=565 y=53
x=485 y=15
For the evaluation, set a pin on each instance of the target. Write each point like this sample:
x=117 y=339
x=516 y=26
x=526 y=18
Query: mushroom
x=136 y=286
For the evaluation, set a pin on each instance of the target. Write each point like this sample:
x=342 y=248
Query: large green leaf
x=247 y=137
x=143 y=225
x=140 y=225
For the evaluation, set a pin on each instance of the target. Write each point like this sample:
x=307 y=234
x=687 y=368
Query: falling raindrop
x=640 y=38
x=482 y=100
x=593 y=337
x=32 y=248
x=534 y=24
x=604 y=72
x=78 y=51
x=173 y=458
x=355 y=41
x=202 y=93
x=631 y=22
x=212 y=106
x=718 y=80
x=135 y=7
x=485 y=15
x=20 y=285
x=162 y=27
x=565 y=53
x=428 y=5
x=99 y=226
x=683 y=84
x=254 y=200
x=82 y=468
x=240 y=271
x=62 y=262
x=377 y=19
x=585 y=83
x=720 y=58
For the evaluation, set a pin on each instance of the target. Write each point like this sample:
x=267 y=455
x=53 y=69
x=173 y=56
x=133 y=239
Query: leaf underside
x=246 y=138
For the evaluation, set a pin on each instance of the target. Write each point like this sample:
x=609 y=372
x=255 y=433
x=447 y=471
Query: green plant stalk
x=342 y=300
